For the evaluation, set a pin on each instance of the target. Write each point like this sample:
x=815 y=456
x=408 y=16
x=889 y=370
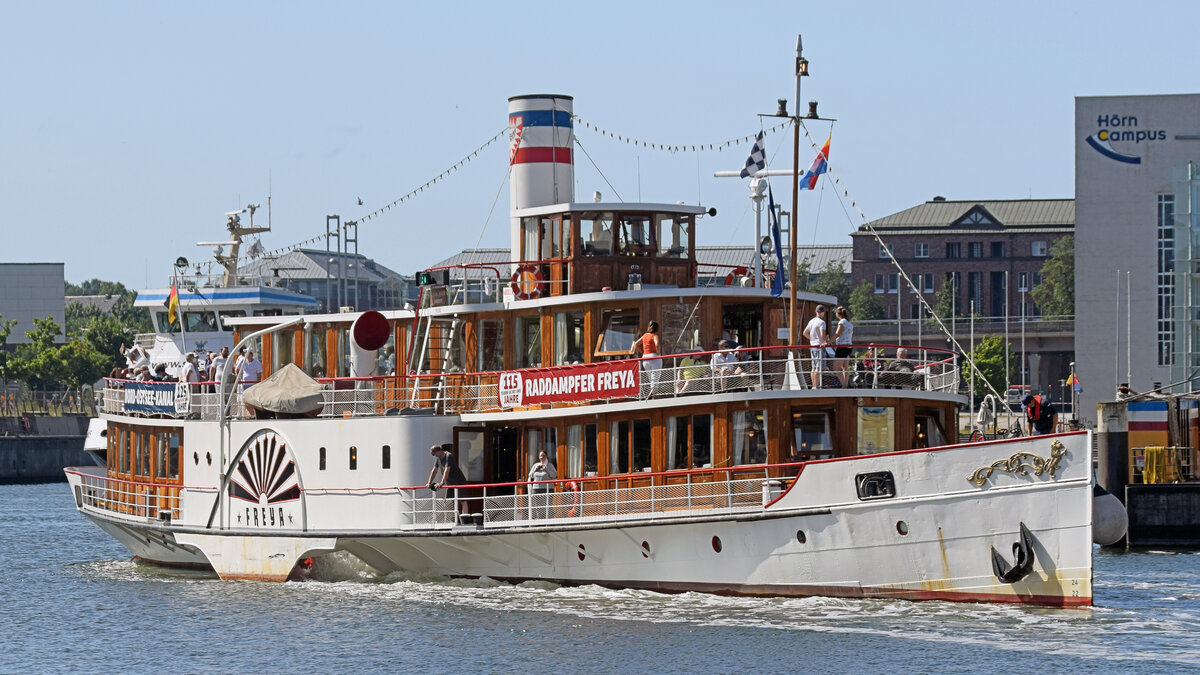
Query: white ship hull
x=932 y=540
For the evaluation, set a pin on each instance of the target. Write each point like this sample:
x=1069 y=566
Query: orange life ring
x=528 y=282
x=736 y=272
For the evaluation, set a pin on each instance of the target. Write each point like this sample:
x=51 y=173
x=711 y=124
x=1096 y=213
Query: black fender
x=1023 y=558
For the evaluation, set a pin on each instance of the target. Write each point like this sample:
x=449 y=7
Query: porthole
x=801 y=537
x=208 y=458
x=581 y=553
x=353 y=458
x=196 y=458
x=716 y=543
x=902 y=528
x=321 y=459
x=645 y=549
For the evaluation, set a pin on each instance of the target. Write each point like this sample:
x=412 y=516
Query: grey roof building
x=335 y=279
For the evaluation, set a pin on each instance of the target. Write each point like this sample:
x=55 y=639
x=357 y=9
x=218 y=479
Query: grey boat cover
x=288 y=390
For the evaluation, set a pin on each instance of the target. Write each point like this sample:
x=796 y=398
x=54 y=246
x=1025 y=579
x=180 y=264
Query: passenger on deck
x=649 y=345
x=900 y=373
x=725 y=367
x=451 y=475
x=692 y=373
x=539 y=493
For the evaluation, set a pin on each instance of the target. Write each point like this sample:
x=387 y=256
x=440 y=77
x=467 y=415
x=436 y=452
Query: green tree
x=96 y=287
x=864 y=304
x=1055 y=295
x=105 y=335
x=832 y=281
x=81 y=364
x=988 y=356
x=7 y=362
x=39 y=362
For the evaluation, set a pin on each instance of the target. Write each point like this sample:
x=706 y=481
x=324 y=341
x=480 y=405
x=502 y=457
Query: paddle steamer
x=691 y=471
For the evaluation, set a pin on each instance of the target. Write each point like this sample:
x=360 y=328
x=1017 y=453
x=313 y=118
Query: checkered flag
x=757 y=161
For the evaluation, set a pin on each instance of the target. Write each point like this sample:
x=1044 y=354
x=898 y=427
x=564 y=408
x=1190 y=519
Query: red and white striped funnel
x=541 y=138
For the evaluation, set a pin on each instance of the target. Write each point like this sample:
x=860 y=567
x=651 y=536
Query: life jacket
x=1034 y=412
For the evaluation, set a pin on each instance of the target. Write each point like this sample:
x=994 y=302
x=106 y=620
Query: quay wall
x=35 y=449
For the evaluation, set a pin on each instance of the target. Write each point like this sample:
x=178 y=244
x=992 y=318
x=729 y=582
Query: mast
x=801 y=71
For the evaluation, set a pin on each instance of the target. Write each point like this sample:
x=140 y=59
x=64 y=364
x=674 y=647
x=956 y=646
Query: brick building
x=992 y=250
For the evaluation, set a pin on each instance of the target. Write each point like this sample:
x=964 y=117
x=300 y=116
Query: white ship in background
x=697 y=470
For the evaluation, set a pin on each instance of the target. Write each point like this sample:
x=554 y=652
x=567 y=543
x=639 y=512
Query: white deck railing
x=670 y=495
x=684 y=375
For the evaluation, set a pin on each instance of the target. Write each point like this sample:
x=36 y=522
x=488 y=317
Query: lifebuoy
x=528 y=282
x=573 y=488
x=737 y=271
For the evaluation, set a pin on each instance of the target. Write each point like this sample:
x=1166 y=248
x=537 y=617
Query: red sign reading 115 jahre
x=587 y=382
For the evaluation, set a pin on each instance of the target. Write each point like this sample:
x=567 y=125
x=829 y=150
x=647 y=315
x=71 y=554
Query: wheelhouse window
x=620 y=330
x=812 y=434
x=671 y=232
x=200 y=322
x=750 y=437
x=489 y=340
x=689 y=442
x=629 y=450
x=633 y=232
x=876 y=429
x=230 y=314
x=596 y=230
x=529 y=341
x=568 y=338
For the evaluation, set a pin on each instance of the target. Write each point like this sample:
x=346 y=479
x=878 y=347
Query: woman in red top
x=648 y=346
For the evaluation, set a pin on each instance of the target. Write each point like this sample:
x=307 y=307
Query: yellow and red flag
x=173 y=305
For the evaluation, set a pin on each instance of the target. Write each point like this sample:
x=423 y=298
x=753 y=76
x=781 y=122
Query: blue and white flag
x=757 y=161
x=780 y=269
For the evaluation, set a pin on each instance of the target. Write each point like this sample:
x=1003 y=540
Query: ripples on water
x=71 y=600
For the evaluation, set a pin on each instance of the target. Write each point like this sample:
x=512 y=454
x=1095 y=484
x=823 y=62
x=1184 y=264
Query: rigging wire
x=866 y=226
x=597 y=168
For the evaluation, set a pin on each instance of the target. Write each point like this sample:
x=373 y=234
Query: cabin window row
x=144 y=452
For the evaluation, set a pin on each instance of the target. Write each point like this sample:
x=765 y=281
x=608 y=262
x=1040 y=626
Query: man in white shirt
x=251 y=369
x=218 y=364
x=818 y=337
x=189 y=373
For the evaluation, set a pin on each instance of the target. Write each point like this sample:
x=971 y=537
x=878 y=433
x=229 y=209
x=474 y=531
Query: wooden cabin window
x=123 y=450
x=490 y=344
x=166 y=454
x=630 y=446
x=281 y=349
x=750 y=437
x=581 y=450
x=539 y=241
x=142 y=445
x=812 y=433
x=876 y=429
x=317 y=350
x=671 y=233
x=621 y=328
x=529 y=341
x=689 y=442
x=569 y=338
x=541 y=440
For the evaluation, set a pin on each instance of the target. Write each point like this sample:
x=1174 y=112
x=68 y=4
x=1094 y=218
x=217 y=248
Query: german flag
x=173 y=305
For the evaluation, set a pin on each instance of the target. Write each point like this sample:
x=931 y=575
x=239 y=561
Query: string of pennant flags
x=668 y=147
x=411 y=194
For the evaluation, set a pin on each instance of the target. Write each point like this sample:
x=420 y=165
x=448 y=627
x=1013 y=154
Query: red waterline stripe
x=545 y=154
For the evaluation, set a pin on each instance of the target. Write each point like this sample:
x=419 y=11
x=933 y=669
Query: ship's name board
x=156 y=397
x=587 y=382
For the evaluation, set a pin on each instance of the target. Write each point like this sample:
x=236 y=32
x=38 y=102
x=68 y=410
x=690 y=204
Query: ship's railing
x=674 y=376
x=486 y=281
x=125 y=499
x=646 y=496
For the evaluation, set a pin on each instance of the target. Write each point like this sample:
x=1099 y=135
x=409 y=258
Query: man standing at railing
x=818 y=337
x=189 y=373
x=451 y=475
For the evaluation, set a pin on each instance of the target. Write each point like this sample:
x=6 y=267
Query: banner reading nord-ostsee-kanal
x=156 y=397
x=587 y=382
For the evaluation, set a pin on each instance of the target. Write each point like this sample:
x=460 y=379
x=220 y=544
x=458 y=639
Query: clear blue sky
x=130 y=127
